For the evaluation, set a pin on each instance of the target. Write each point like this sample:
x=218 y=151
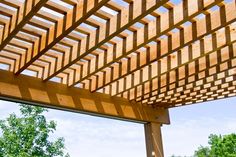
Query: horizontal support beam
x=54 y=95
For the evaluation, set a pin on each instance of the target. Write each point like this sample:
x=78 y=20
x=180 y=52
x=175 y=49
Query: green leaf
x=28 y=135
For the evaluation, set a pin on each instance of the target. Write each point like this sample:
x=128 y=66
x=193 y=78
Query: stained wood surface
x=55 y=95
x=153 y=138
x=156 y=53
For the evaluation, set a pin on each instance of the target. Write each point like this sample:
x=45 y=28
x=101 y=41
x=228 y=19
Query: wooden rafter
x=22 y=15
x=189 y=54
x=167 y=47
x=166 y=23
x=152 y=52
x=72 y=19
x=137 y=9
x=204 y=81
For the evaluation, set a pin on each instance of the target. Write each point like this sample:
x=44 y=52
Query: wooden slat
x=29 y=11
x=166 y=49
x=217 y=62
x=217 y=89
x=82 y=12
x=164 y=29
x=158 y=58
x=112 y=32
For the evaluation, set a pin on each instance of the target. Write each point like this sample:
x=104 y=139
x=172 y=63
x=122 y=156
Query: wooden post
x=153 y=140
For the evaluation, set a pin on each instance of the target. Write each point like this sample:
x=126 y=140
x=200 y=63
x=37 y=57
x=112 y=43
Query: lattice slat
x=164 y=47
x=22 y=14
x=72 y=19
x=158 y=53
x=143 y=39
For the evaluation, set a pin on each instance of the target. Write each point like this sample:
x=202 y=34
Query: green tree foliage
x=220 y=146
x=28 y=135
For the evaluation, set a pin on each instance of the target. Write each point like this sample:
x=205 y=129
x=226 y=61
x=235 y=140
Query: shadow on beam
x=33 y=91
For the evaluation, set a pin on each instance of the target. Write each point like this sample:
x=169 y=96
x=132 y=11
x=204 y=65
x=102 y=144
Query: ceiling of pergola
x=157 y=52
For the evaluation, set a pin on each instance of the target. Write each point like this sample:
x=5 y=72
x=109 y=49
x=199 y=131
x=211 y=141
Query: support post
x=153 y=140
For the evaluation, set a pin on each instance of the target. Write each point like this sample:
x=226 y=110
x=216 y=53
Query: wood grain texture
x=54 y=95
x=156 y=53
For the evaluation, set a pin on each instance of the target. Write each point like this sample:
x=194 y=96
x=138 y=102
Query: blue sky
x=94 y=136
x=191 y=125
x=88 y=136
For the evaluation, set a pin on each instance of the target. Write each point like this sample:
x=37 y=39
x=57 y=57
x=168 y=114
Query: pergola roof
x=156 y=52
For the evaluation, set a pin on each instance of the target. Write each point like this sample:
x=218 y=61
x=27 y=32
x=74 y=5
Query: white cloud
x=7 y=107
x=184 y=136
x=93 y=136
x=100 y=137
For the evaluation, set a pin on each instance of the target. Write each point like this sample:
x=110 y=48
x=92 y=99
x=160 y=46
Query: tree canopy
x=28 y=135
x=219 y=146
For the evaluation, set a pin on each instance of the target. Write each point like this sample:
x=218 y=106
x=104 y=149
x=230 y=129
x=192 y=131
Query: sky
x=89 y=136
x=101 y=137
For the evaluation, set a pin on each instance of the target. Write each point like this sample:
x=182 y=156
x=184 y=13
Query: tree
x=220 y=146
x=28 y=135
x=202 y=152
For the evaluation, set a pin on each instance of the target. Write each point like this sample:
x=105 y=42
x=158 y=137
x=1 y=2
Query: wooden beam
x=166 y=47
x=210 y=88
x=84 y=10
x=205 y=78
x=54 y=95
x=190 y=55
x=153 y=140
x=184 y=54
x=24 y=15
x=144 y=37
x=138 y=14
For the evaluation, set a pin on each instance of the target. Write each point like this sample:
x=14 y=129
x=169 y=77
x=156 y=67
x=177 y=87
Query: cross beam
x=54 y=95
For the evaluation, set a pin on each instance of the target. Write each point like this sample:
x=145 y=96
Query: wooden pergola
x=124 y=59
